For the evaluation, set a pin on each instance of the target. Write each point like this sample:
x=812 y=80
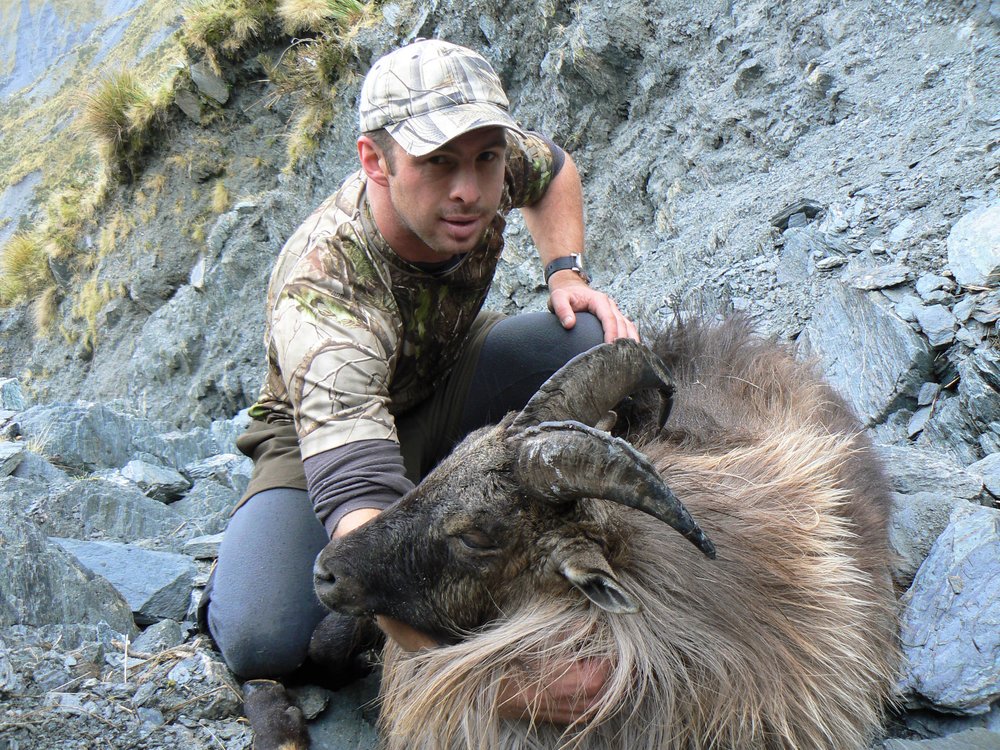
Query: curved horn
x=569 y=460
x=591 y=383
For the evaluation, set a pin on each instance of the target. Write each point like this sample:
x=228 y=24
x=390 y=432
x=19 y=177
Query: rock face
x=974 y=247
x=829 y=169
x=951 y=622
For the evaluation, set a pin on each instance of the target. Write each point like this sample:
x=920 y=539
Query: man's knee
x=259 y=645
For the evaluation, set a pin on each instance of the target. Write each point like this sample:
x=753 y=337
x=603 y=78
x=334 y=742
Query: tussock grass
x=123 y=118
x=220 y=197
x=298 y=16
x=226 y=29
x=24 y=268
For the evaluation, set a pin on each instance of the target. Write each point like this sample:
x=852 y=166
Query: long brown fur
x=785 y=642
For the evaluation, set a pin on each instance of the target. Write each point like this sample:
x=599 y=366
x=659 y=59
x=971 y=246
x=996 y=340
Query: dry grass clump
x=24 y=269
x=123 y=117
x=226 y=29
x=320 y=56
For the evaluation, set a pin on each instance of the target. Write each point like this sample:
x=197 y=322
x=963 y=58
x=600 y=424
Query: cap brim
x=424 y=133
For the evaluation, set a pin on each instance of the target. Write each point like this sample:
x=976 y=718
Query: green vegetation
x=24 y=268
x=123 y=117
x=225 y=29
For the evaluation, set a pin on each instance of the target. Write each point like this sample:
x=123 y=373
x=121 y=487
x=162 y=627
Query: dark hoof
x=277 y=723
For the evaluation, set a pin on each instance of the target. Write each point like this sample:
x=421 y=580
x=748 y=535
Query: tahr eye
x=477 y=540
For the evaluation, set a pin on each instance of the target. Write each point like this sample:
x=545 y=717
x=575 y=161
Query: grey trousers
x=261 y=607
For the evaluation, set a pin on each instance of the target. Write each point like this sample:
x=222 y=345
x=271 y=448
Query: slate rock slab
x=42 y=585
x=870 y=355
x=974 y=247
x=84 y=436
x=950 y=628
x=157 y=585
x=974 y=739
x=158 y=482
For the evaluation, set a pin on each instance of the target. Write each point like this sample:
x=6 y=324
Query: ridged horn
x=592 y=383
x=566 y=461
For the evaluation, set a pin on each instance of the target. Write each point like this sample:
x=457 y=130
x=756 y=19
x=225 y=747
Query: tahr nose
x=336 y=588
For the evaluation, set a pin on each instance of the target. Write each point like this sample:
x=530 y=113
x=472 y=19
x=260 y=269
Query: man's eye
x=477 y=540
x=488 y=156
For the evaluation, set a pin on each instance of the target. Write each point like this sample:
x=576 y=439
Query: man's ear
x=373 y=161
x=586 y=568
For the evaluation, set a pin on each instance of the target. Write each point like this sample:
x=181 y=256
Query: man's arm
x=556 y=226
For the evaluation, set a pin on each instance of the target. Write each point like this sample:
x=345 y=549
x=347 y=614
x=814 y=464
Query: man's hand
x=570 y=294
x=565 y=693
x=354 y=519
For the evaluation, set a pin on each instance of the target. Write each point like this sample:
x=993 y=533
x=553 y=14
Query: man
x=379 y=357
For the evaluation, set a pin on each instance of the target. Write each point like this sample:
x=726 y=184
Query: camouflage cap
x=430 y=91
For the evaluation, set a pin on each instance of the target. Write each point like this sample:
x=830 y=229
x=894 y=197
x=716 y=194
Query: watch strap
x=571 y=262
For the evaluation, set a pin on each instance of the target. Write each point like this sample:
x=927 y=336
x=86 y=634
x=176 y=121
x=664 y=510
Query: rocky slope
x=830 y=169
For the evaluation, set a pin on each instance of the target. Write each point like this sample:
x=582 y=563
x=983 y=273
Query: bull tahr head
x=502 y=514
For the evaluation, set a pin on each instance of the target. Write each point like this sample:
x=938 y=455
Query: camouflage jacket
x=356 y=334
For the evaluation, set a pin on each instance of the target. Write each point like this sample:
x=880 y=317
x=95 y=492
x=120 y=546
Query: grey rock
x=84 y=436
x=989 y=469
x=949 y=430
x=158 y=637
x=801 y=249
x=937 y=323
x=806 y=208
x=180 y=448
x=913 y=470
x=979 y=387
x=964 y=308
x=188 y=103
x=198 y=680
x=907 y=306
x=918 y=421
x=871 y=356
x=916 y=521
x=931 y=282
x=226 y=431
x=974 y=247
x=901 y=231
x=227 y=469
x=207 y=507
x=38 y=468
x=209 y=83
x=928 y=392
x=158 y=482
x=157 y=585
x=41 y=584
x=11 y=456
x=203 y=547
x=11 y=395
x=89 y=508
x=929 y=723
x=347 y=723
x=954 y=603
x=973 y=739
x=880 y=277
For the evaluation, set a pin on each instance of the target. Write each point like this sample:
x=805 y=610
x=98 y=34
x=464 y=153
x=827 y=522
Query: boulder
x=158 y=482
x=870 y=355
x=974 y=247
x=950 y=626
x=41 y=584
x=157 y=585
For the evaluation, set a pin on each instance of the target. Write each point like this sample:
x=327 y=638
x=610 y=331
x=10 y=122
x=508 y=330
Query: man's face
x=443 y=202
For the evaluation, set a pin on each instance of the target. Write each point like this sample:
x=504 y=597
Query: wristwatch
x=572 y=262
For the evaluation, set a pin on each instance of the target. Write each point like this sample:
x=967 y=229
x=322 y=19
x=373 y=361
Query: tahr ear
x=589 y=572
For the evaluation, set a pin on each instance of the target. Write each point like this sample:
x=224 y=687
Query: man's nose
x=465 y=186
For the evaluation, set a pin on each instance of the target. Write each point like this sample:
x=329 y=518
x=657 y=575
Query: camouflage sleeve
x=335 y=369
x=530 y=168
